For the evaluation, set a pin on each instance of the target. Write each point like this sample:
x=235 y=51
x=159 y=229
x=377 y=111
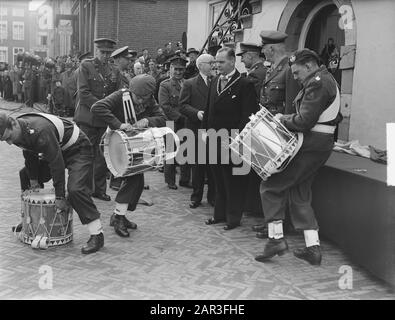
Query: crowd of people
x=196 y=90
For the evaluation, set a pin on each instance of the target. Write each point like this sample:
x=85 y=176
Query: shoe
x=259 y=227
x=103 y=196
x=129 y=224
x=231 y=226
x=311 y=254
x=146 y=187
x=17 y=228
x=161 y=169
x=185 y=185
x=94 y=244
x=172 y=186
x=263 y=234
x=273 y=247
x=120 y=226
x=212 y=221
x=194 y=204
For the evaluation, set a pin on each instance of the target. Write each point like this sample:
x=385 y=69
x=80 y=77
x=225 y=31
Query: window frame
x=18 y=23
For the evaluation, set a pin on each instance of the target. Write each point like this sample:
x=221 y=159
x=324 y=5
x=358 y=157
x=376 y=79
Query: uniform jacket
x=110 y=111
x=39 y=135
x=257 y=75
x=231 y=107
x=169 y=94
x=95 y=81
x=317 y=94
x=279 y=88
x=193 y=98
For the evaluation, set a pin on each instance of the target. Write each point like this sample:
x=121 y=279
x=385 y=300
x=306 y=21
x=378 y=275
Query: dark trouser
x=28 y=97
x=199 y=172
x=131 y=189
x=230 y=193
x=170 y=173
x=99 y=169
x=294 y=184
x=253 y=201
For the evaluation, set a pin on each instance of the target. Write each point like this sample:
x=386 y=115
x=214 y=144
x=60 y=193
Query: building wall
x=374 y=78
x=10 y=43
x=141 y=23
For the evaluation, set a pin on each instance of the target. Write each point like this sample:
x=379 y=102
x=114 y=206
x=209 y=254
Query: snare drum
x=266 y=145
x=42 y=225
x=134 y=152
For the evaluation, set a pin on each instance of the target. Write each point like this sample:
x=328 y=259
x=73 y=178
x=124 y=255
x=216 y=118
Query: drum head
x=117 y=152
x=40 y=196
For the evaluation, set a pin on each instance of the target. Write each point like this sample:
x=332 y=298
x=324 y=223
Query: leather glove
x=61 y=204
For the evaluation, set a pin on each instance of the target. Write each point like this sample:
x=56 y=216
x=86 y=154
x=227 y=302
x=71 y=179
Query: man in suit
x=95 y=82
x=169 y=93
x=231 y=101
x=193 y=100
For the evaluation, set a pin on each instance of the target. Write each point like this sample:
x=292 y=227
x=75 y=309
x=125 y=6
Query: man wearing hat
x=316 y=114
x=279 y=89
x=169 y=93
x=62 y=145
x=148 y=114
x=250 y=56
x=122 y=58
x=191 y=69
x=95 y=81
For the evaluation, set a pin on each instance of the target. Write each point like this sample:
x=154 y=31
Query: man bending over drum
x=62 y=145
x=148 y=114
x=316 y=114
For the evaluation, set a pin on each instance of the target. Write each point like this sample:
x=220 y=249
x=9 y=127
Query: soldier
x=317 y=111
x=191 y=69
x=250 y=56
x=62 y=146
x=148 y=113
x=95 y=81
x=279 y=88
x=122 y=58
x=169 y=93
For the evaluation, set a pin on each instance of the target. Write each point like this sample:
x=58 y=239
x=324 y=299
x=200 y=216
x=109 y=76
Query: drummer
x=148 y=114
x=62 y=146
x=316 y=115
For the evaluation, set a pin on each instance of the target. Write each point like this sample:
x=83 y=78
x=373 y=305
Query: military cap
x=178 y=61
x=84 y=55
x=302 y=56
x=3 y=123
x=122 y=52
x=248 y=47
x=143 y=84
x=192 y=50
x=105 y=44
x=272 y=36
x=133 y=53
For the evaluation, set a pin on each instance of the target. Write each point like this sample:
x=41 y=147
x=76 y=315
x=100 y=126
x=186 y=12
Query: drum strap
x=58 y=123
x=128 y=108
x=331 y=112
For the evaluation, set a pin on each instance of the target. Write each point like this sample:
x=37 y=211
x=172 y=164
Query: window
x=43 y=40
x=3 y=11
x=3 y=30
x=15 y=52
x=18 y=12
x=18 y=30
x=3 y=54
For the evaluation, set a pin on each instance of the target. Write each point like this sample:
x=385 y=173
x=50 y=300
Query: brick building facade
x=136 y=23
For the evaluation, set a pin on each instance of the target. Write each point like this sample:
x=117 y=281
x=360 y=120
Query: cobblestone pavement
x=172 y=255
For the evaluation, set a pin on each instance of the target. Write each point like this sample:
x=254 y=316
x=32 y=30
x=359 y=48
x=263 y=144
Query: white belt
x=323 y=128
x=73 y=138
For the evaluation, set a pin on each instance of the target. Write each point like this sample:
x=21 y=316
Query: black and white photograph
x=197 y=155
